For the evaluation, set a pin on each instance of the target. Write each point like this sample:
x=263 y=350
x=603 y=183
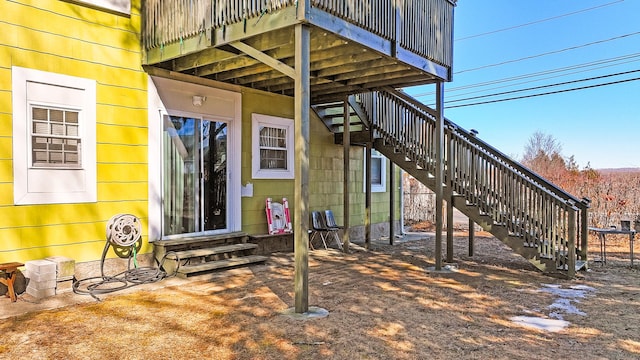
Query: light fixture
x=198 y=100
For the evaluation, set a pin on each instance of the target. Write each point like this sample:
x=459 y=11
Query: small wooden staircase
x=201 y=254
x=538 y=220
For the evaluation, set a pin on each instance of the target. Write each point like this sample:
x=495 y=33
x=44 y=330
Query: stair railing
x=546 y=217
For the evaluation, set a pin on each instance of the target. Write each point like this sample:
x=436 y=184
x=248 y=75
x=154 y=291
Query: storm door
x=194 y=175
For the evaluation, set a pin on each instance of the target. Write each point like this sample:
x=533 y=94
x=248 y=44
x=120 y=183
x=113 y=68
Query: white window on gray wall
x=55 y=114
x=378 y=172
x=272 y=139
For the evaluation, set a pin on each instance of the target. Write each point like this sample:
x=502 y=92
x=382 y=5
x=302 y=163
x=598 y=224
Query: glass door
x=194 y=175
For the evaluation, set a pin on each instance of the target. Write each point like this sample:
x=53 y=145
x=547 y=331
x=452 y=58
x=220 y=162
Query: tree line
x=614 y=195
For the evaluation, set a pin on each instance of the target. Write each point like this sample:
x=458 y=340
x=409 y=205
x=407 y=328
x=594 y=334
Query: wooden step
x=198 y=239
x=186 y=270
x=186 y=254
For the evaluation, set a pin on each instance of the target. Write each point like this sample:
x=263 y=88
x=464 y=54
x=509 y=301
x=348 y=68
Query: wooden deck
x=354 y=47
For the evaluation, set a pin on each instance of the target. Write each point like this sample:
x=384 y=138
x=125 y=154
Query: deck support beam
x=449 y=180
x=367 y=195
x=392 y=201
x=266 y=59
x=346 y=141
x=439 y=173
x=302 y=104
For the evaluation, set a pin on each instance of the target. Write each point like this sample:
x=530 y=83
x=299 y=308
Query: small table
x=602 y=235
x=10 y=269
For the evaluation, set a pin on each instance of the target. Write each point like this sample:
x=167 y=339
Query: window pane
x=273 y=137
x=273 y=159
x=40 y=114
x=71 y=117
x=56 y=115
x=40 y=128
x=376 y=171
x=57 y=129
x=72 y=130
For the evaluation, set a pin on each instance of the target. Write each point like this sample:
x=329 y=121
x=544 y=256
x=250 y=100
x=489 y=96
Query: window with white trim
x=55 y=139
x=378 y=172
x=272 y=139
x=119 y=6
x=55 y=114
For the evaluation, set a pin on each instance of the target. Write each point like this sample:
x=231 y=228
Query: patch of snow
x=550 y=325
x=565 y=304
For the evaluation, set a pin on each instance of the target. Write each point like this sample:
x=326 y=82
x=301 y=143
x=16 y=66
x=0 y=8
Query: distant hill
x=619 y=170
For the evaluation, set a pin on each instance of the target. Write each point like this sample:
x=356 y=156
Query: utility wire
x=548 y=53
x=545 y=86
x=543 y=94
x=540 y=79
x=537 y=21
x=540 y=73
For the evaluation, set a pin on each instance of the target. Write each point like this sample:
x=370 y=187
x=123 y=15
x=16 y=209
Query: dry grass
x=382 y=304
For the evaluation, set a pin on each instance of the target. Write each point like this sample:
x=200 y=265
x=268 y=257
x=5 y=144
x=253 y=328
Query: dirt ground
x=383 y=304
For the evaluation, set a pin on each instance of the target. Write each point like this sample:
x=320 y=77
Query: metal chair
x=331 y=220
x=318 y=227
x=333 y=227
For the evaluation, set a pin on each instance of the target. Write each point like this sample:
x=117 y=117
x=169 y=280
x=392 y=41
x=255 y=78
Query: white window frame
x=258 y=120
x=118 y=6
x=382 y=187
x=52 y=185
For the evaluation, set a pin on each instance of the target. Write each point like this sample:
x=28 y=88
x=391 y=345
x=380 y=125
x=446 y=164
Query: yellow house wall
x=326 y=171
x=71 y=39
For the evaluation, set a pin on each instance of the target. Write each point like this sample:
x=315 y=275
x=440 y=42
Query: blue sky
x=600 y=125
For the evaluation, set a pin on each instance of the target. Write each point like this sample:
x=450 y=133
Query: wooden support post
x=584 y=229
x=346 y=142
x=450 y=229
x=392 y=201
x=302 y=100
x=439 y=173
x=449 y=180
x=472 y=234
x=571 y=244
x=367 y=198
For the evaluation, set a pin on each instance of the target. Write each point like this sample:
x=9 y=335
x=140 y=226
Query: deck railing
x=543 y=215
x=422 y=27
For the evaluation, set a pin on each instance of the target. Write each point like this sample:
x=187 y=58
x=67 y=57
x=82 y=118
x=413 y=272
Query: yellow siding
x=125 y=135
x=112 y=153
x=6 y=193
x=5 y=105
x=5 y=147
x=70 y=39
x=122 y=172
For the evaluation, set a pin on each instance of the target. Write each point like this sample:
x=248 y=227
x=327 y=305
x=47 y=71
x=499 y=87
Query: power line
x=543 y=94
x=545 y=86
x=548 y=53
x=537 y=21
x=540 y=73
x=540 y=79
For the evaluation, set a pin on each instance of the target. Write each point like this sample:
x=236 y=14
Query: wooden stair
x=488 y=222
x=205 y=253
x=534 y=217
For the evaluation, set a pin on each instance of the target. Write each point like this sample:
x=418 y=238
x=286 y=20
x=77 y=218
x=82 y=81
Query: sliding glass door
x=194 y=175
